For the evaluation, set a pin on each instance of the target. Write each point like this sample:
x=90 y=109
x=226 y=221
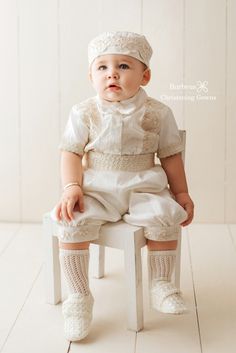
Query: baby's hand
x=185 y=201
x=70 y=196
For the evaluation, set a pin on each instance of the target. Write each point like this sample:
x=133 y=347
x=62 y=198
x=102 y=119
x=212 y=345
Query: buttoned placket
x=121 y=119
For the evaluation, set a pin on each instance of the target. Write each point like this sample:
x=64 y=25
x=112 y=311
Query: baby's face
x=118 y=77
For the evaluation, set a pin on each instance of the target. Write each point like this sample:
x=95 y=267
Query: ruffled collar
x=125 y=107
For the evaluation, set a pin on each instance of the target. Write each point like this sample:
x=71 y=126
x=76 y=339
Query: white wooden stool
x=118 y=235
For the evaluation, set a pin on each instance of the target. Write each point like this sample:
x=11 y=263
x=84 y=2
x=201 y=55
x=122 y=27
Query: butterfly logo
x=201 y=86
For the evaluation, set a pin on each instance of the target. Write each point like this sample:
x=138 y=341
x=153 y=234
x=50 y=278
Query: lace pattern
x=78 y=313
x=151 y=126
x=170 y=150
x=71 y=147
x=127 y=43
x=162 y=234
x=78 y=233
x=132 y=163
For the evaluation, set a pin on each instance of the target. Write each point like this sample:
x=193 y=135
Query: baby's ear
x=90 y=76
x=146 y=77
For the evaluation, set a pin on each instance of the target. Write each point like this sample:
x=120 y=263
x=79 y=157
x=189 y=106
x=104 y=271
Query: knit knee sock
x=161 y=265
x=74 y=264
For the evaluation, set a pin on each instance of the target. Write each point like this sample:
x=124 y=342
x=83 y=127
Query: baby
x=120 y=130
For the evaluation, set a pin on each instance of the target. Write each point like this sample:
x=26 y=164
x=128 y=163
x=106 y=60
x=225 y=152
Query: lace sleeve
x=76 y=133
x=169 y=139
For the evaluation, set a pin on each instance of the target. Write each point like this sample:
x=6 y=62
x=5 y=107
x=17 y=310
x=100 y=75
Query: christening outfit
x=121 y=180
x=119 y=142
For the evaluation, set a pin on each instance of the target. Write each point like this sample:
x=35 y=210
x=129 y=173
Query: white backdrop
x=43 y=72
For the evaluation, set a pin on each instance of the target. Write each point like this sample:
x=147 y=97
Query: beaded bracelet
x=71 y=184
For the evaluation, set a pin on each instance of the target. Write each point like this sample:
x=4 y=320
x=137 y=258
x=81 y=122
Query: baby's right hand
x=70 y=196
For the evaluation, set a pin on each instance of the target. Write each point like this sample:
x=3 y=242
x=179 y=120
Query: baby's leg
x=74 y=246
x=161 y=263
x=85 y=226
x=74 y=258
x=161 y=217
x=74 y=239
x=77 y=308
x=165 y=297
x=162 y=245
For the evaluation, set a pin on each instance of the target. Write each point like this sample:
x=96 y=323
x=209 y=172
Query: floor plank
x=39 y=327
x=7 y=233
x=27 y=323
x=171 y=333
x=214 y=263
x=19 y=266
x=232 y=232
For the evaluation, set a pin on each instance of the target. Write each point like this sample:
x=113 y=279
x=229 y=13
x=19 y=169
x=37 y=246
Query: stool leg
x=178 y=264
x=97 y=255
x=133 y=270
x=51 y=263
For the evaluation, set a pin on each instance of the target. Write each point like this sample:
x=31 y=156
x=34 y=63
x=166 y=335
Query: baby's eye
x=124 y=66
x=102 y=67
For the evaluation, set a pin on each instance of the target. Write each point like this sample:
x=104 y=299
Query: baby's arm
x=174 y=168
x=71 y=171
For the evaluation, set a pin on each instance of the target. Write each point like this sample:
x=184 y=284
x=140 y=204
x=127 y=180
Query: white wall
x=43 y=72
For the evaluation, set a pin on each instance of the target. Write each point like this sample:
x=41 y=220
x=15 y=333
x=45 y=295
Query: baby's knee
x=162 y=245
x=74 y=246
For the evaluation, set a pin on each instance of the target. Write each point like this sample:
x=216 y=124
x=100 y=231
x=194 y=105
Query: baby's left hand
x=185 y=201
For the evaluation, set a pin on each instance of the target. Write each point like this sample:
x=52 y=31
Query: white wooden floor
x=28 y=325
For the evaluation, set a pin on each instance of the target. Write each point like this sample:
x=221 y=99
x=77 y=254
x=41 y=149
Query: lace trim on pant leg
x=162 y=233
x=78 y=234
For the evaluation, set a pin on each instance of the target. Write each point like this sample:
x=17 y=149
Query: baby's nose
x=113 y=74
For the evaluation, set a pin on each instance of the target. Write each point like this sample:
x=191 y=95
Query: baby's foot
x=77 y=312
x=165 y=297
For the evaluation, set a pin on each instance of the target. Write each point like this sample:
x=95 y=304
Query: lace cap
x=125 y=43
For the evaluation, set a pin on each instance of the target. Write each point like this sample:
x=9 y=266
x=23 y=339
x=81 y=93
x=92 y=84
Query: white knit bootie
x=164 y=296
x=77 y=312
x=77 y=309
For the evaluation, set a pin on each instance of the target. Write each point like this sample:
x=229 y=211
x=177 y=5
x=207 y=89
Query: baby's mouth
x=113 y=87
